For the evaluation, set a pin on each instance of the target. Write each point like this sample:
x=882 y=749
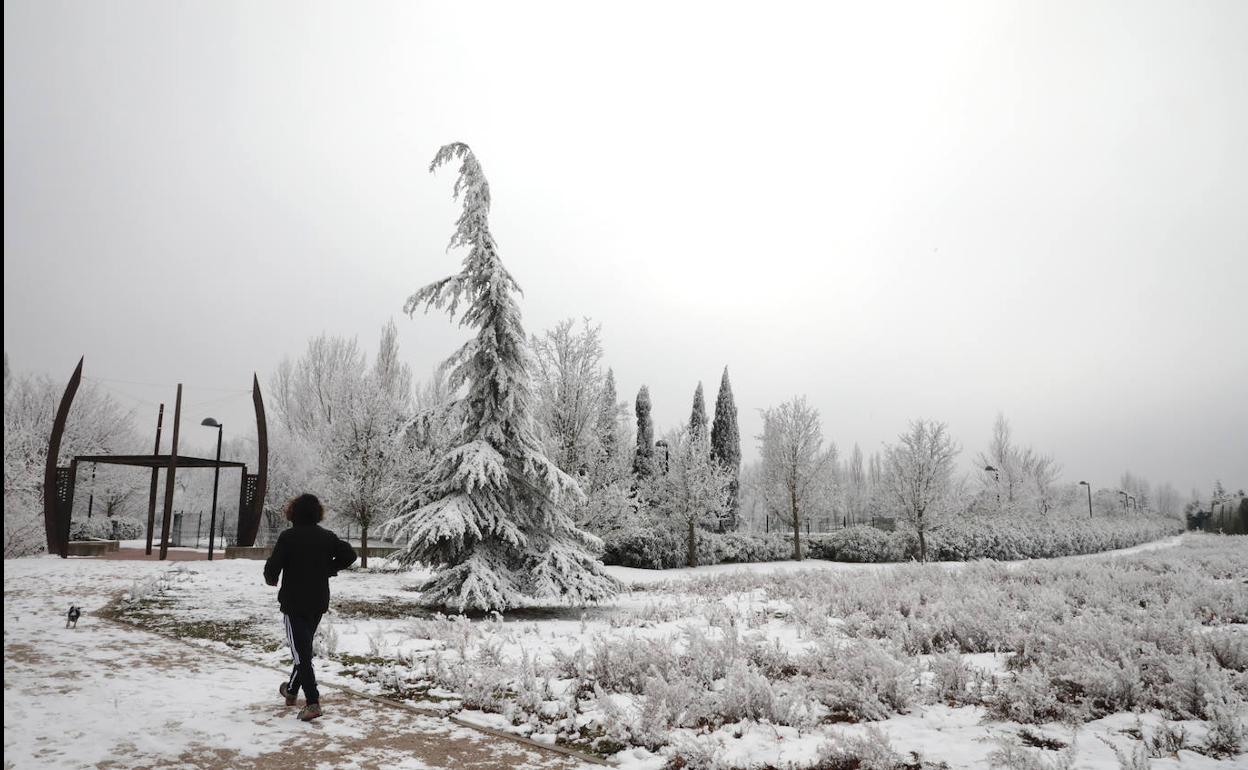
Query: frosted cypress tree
x=726 y=447
x=643 y=460
x=608 y=409
x=697 y=417
x=489 y=516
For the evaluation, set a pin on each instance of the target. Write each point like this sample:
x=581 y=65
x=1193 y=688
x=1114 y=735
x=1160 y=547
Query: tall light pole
x=216 y=476
x=996 y=475
x=1089 y=486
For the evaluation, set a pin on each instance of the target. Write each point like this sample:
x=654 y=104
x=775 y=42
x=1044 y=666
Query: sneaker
x=290 y=697
x=310 y=711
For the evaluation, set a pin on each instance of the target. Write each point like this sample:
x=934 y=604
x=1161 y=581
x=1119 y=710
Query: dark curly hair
x=305 y=509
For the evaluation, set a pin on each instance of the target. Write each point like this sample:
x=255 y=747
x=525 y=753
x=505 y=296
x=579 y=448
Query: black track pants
x=299 y=632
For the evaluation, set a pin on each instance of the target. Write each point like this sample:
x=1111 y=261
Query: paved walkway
x=109 y=696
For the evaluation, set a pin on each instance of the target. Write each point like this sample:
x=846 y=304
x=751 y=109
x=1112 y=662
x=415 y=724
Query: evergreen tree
x=726 y=448
x=643 y=460
x=607 y=428
x=697 y=417
x=489 y=515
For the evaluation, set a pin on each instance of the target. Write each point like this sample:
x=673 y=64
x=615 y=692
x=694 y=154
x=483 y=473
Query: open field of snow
x=780 y=664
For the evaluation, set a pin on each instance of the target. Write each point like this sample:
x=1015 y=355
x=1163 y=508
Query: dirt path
x=105 y=695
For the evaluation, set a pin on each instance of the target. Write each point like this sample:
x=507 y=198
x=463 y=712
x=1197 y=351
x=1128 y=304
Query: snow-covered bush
x=863 y=681
x=1227 y=731
x=104 y=528
x=862 y=544
x=869 y=751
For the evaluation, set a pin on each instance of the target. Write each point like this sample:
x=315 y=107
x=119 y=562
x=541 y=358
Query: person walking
x=305 y=556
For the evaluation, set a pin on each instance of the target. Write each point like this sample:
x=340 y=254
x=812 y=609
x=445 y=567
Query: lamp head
x=211 y=423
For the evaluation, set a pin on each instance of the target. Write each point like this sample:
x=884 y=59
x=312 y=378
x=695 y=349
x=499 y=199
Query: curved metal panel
x=251 y=527
x=57 y=531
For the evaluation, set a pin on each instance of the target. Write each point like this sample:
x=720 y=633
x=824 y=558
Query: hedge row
x=963 y=539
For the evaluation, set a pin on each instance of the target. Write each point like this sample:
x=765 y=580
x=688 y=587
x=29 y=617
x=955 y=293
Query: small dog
x=71 y=619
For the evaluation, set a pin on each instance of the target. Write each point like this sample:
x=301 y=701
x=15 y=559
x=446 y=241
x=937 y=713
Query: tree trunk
x=922 y=546
x=691 y=553
x=797 y=527
x=364 y=546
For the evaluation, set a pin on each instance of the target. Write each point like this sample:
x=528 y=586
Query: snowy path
x=105 y=695
x=634 y=576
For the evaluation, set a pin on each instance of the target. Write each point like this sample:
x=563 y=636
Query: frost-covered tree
x=855 y=486
x=794 y=464
x=305 y=390
x=692 y=494
x=569 y=380
x=97 y=425
x=491 y=515
x=919 y=477
x=697 y=416
x=1041 y=473
x=643 y=456
x=607 y=432
x=726 y=447
x=1169 y=502
x=1007 y=481
x=367 y=456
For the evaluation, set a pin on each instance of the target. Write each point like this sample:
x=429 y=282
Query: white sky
x=900 y=210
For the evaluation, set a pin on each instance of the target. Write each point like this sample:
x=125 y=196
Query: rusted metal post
x=151 y=495
x=170 y=477
x=51 y=507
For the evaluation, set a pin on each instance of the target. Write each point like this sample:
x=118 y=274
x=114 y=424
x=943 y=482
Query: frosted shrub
x=1229 y=650
x=1011 y=755
x=861 y=544
x=1227 y=732
x=952 y=680
x=1167 y=740
x=1029 y=698
x=325 y=640
x=869 y=751
x=864 y=682
x=1194 y=685
x=1135 y=758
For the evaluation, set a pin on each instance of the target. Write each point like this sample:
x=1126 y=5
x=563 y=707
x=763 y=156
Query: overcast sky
x=900 y=210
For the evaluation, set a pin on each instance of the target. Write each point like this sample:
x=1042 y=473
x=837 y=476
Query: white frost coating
x=489 y=516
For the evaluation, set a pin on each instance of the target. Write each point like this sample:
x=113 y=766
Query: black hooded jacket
x=306 y=556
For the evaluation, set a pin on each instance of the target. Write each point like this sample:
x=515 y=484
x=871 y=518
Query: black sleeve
x=344 y=555
x=276 y=561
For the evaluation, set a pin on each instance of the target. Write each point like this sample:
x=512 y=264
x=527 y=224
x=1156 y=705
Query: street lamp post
x=216 y=476
x=1089 y=486
x=996 y=475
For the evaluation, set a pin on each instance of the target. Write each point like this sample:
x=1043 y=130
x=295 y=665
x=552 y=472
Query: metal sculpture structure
x=254 y=486
x=58 y=484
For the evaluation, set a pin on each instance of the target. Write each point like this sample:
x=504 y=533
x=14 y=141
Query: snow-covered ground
x=543 y=673
x=104 y=695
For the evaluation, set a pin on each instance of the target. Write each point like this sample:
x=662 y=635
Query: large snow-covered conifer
x=491 y=515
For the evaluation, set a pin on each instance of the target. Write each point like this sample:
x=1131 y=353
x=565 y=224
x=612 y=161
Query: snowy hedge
x=102 y=527
x=963 y=539
x=661 y=548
